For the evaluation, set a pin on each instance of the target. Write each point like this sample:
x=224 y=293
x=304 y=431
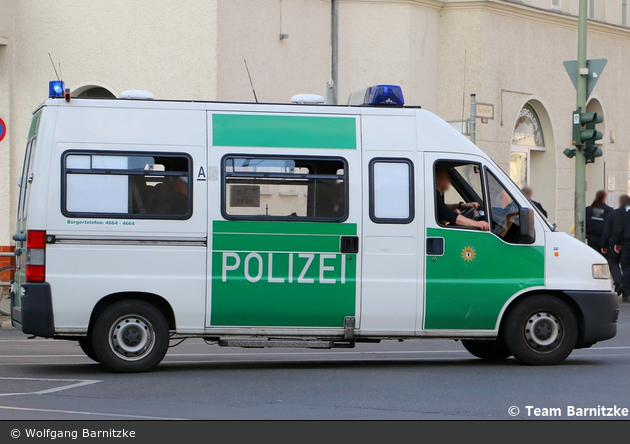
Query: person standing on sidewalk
x=608 y=248
x=621 y=240
x=595 y=215
x=528 y=192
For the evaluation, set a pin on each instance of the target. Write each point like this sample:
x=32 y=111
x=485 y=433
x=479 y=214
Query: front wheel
x=130 y=336
x=540 y=330
x=488 y=350
x=88 y=348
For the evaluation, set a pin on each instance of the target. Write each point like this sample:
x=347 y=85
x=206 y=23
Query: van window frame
x=109 y=171
x=225 y=175
x=412 y=209
x=27 y=167
x=489 y=172
x=484 y=190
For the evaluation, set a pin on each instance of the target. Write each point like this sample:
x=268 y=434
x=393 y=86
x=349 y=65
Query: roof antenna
x=53 y=64
x=60 y=75
x=250 y=81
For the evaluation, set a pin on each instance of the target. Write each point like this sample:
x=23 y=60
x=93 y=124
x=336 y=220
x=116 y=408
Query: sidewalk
x=5 y=322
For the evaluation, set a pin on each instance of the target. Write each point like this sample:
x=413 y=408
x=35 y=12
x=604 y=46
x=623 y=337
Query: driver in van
x=447 y=213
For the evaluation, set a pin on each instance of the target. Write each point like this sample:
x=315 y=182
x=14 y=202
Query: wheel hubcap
x=542 y=331
x=131 y=337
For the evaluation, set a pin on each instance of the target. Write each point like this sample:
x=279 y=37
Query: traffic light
x=585 y=134
x=591 y=151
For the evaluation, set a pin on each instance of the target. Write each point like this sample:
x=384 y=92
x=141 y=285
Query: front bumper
x=600 y=310
x=35 y=315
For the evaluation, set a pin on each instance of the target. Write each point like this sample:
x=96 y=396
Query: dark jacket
x=607 y=230
x=621 y=225
x=540 y=207
x=595 y=220
x=445 y=215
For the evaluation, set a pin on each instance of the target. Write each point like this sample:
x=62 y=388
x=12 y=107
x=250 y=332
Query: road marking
x=77 y=383
x=72 y=412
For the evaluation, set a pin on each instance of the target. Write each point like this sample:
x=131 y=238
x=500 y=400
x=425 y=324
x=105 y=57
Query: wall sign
x=3 y=129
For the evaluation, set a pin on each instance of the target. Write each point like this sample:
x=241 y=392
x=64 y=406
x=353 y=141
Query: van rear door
x=26 y=179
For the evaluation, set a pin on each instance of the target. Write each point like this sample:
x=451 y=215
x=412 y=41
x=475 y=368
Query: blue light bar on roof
x=56 y=89
x=379 y=95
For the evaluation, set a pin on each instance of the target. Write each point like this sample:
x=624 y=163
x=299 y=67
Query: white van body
x=377 y=265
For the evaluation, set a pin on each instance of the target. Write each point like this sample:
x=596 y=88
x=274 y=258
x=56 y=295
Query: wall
x=390 y=42
x=279 y=68
x=522 y=55
x=6 y=54
x=379 y=42
x=165 y=47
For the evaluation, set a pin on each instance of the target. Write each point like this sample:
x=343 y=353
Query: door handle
x=435 y=246
x=349 y=244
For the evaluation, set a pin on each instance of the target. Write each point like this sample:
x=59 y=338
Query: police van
x=141 y=221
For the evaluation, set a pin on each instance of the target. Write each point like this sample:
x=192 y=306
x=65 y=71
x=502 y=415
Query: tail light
x=35 y=256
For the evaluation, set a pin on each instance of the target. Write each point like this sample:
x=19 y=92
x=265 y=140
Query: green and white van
x=286 y=225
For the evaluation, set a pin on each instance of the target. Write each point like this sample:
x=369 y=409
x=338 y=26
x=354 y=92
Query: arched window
x=94 y=92
x=527 y=137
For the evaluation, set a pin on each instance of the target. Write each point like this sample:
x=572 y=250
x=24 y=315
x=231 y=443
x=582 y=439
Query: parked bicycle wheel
x=6 y=275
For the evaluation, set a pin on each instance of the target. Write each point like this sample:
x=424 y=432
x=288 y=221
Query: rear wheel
x=130 y=336
x=88 y=348
x=540 y=330
x=489 y=350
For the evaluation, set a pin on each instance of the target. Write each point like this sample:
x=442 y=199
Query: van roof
x=433 y=133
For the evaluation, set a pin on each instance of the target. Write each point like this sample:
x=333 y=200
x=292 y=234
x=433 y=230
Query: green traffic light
x=584 y=132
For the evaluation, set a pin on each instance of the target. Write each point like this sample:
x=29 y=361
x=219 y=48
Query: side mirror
x=526 y=218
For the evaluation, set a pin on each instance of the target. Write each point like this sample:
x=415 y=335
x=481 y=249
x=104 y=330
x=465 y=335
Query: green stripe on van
x=284 y=131
x=281 y=274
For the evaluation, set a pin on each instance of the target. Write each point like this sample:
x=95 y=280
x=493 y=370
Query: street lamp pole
x=580 y=164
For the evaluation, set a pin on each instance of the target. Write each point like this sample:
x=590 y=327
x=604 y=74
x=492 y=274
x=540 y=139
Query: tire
x=492 y=350
x=540 y=330
x=130 y=336
x=88 y=348
x=6 y=274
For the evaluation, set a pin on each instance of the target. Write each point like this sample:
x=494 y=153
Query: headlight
x=601 y=271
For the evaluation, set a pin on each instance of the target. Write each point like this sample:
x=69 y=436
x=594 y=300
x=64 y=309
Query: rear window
x=125 y=185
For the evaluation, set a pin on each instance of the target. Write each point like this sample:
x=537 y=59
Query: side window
x=504 y=211
x=284 y=188
x=27 y=169
x=391 y=191
x=458 y=183
x=125 y=185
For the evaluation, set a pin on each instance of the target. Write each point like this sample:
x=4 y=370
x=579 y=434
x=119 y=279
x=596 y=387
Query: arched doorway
x=93 y=92
x=596 y=172
x=533 y=156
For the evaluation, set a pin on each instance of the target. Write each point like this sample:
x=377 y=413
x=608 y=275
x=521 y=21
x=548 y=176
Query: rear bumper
x=600 y=310
x=35 y=315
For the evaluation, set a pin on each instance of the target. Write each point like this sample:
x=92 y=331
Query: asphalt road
x=422 y=379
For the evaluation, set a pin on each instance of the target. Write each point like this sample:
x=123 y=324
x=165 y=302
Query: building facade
x=508 y=53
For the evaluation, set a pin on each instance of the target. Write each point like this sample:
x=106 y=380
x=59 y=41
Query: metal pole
x=580 y=162
x=334 y=51
x=473 y=118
